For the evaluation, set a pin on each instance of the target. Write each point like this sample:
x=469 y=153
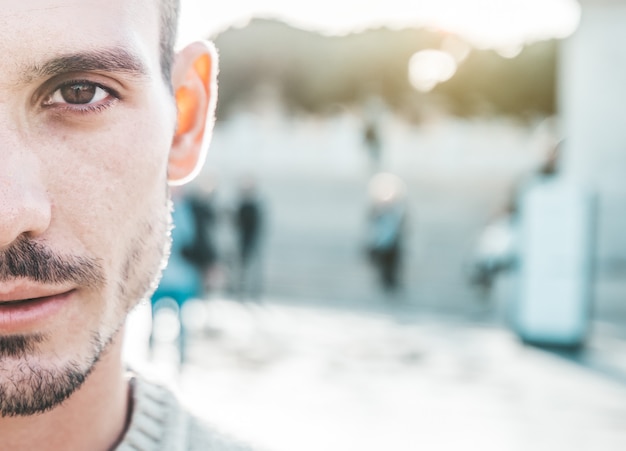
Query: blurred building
x=592 y=94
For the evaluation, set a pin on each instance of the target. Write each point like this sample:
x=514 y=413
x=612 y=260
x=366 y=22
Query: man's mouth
x=21 y=291
x=32 y=308
x=27 y=301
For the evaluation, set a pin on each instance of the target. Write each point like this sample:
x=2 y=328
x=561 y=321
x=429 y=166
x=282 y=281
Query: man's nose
x=25 y=208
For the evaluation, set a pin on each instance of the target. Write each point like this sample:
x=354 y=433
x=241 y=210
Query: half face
x=86 y=127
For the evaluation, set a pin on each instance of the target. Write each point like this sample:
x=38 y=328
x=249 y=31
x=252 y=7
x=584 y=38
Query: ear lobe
x=195 y=86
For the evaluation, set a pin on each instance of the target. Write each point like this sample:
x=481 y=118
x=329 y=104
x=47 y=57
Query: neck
x=94 y=417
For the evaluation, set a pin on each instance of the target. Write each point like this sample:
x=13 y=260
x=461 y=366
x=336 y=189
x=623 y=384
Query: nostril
x=23 y=212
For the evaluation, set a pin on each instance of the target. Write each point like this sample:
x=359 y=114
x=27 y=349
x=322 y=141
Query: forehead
x=33 y=30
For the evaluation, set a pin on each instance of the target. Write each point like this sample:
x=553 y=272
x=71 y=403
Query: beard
x=33 y=382
x=29 y=386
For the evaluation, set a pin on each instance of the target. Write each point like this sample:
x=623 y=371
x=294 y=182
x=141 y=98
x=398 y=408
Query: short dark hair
x=169 y=10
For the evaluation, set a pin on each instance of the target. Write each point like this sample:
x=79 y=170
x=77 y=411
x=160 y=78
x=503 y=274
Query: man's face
x=86 y=124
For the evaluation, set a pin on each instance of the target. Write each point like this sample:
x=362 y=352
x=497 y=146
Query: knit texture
x=160 y=423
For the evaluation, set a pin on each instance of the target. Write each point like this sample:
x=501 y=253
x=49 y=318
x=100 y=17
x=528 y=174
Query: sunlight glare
x=485 y=23
x=427 y=68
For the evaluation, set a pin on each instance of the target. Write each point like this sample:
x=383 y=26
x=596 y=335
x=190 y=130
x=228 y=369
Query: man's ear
x=194 y=78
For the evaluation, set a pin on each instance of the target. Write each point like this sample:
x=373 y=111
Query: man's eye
x=78 y=93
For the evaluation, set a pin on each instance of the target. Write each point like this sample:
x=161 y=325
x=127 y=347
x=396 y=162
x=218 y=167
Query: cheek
x=115 y=185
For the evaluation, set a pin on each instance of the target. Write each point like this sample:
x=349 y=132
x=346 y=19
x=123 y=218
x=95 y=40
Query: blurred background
x=408 y=233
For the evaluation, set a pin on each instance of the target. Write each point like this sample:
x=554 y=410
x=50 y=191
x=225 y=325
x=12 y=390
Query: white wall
x=592 y=89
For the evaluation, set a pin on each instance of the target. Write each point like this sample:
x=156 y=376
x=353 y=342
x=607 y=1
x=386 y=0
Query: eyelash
x=82 y=108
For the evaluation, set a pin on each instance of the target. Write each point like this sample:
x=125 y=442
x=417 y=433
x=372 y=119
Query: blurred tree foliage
x=521 y=86
x=314 y=73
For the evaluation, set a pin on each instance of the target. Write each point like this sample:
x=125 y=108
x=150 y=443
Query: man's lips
x=28 y=307
x=24 y=292
x=25 y=302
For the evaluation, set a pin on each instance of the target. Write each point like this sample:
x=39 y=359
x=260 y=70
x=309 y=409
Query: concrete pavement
x=308 y=378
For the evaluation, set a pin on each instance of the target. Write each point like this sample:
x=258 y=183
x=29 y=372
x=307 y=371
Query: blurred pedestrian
x=249 y=227
x=181 y=279
x=373 y=144
x=371 y=132
x=496 y=250
x=201 y=251
x=386 y=229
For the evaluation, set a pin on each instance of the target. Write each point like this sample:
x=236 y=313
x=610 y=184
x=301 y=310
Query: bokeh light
x=427 y=68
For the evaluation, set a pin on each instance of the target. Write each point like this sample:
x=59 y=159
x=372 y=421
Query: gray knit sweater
x=160 y=423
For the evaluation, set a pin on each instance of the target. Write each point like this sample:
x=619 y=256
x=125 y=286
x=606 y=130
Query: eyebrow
x=114 y=59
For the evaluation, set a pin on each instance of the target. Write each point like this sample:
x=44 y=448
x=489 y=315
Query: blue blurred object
x=553 y=306
x=181 y=279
